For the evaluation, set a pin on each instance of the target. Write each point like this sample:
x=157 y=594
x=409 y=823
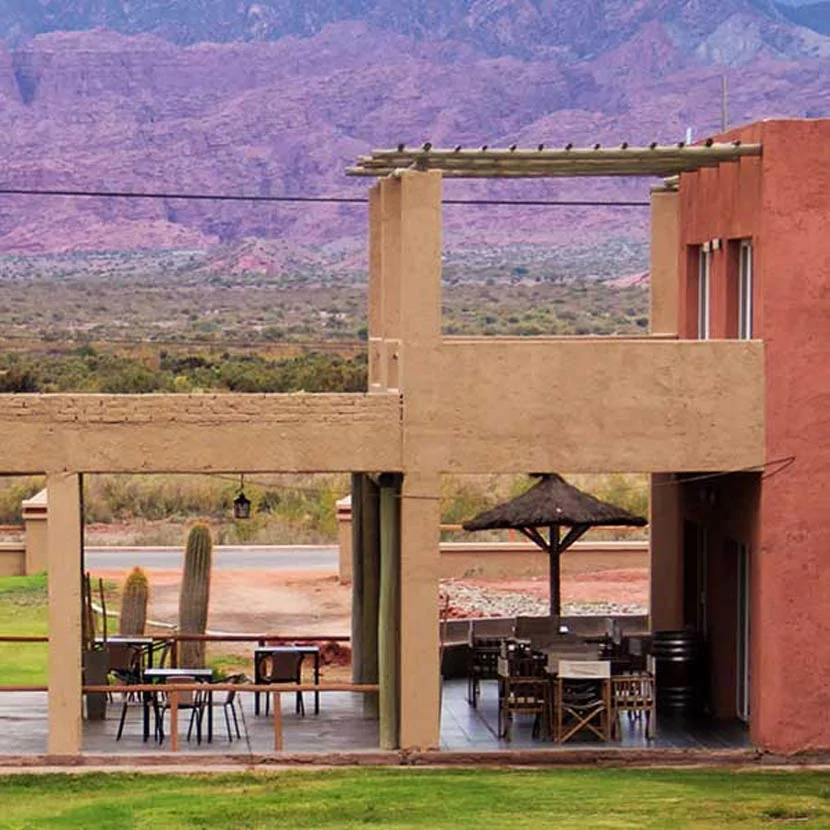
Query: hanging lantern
x=242 y=504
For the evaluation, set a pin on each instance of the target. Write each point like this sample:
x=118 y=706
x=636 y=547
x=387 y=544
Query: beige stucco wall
x=664 y=276
x=199 y=433
x=35 y=512
x=587 y=405
x=12 y=559
x=491 y=560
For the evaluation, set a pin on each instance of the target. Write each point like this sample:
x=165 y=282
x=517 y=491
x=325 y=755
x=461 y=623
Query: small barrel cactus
x=134 y=599
x=195 y=595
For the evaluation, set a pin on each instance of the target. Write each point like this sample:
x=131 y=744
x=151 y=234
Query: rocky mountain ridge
x=282 y=115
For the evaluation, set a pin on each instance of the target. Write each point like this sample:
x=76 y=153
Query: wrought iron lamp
x=242 y=504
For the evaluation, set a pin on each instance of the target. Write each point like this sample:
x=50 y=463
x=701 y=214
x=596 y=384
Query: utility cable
x=339 y=200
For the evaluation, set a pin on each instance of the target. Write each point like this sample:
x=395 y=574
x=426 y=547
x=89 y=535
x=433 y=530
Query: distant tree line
x=87 y=369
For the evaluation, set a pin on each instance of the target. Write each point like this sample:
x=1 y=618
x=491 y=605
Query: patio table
x=162 y=676
x=263 y=651
x=131 y=642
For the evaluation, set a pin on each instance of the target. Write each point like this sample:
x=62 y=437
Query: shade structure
x=552 y=503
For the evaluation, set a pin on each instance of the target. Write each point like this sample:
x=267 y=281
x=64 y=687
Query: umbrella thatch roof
x=552 y=501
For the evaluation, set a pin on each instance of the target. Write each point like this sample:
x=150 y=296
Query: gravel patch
x=476 y=601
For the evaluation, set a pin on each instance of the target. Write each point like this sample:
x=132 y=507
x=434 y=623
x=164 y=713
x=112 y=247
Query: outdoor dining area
x=141 y=672
x=573 y=687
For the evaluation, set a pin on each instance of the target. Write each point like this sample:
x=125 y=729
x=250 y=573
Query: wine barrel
x=678 y=666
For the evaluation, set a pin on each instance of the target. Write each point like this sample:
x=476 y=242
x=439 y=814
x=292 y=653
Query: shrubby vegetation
x=287 y=509
x=88 y=369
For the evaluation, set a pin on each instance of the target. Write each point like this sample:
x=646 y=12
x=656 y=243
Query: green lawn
x=421 y=799
x=23 y=611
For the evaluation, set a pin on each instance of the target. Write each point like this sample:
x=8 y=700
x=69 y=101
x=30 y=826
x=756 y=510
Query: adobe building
x=724 y=403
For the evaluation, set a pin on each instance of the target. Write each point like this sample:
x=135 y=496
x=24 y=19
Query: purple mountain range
x=279 y=97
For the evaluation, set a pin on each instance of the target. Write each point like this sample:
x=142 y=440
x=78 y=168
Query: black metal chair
x=194 y=702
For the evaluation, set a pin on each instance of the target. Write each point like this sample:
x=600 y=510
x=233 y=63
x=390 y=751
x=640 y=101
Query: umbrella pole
x=555 y=592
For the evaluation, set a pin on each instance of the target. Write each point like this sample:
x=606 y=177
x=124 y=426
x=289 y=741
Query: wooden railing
x=173 y=691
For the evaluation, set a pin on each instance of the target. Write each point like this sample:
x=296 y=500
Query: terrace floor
x=342 y=727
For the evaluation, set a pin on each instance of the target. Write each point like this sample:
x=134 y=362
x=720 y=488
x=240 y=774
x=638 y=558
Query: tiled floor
x=342 y=727
x=466 y=728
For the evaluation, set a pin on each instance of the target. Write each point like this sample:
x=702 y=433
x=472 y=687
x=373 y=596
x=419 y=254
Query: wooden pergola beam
x=653 y=160
x=720 y=151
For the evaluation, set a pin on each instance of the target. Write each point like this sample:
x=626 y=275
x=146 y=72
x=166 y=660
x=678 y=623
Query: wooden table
x=162 y=676
x=264 y=651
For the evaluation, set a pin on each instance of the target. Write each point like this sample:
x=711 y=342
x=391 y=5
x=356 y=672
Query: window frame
x=746 y=263
x=704 y=293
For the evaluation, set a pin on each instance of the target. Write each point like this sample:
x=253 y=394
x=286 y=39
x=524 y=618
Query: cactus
x=134 y=603
x=195 y=595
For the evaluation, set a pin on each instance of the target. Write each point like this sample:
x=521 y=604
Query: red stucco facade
x=781 y=202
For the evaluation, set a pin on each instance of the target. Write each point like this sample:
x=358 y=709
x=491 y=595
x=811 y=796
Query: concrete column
x=389 y=640
x=35 y=513
x=375 y=317
x=420 y=636
x=664 y=271
x=344 y=539
x=666 y=553
x=390 y=282
x=64 y=566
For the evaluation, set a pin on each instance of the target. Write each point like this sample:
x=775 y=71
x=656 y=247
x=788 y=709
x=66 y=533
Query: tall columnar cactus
x=134 y=598
x=195 y=595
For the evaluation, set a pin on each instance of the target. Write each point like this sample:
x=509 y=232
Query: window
x=703 y=280
x=745 y=290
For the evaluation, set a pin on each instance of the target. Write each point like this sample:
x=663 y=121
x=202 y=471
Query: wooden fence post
x=174 y=720
x=277 y=722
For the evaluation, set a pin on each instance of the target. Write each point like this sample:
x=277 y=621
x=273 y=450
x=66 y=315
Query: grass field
x=390 y=799
x=23 y=612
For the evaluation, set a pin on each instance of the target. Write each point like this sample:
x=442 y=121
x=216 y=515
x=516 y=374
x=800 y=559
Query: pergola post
x=555 y=585
x=64 y=529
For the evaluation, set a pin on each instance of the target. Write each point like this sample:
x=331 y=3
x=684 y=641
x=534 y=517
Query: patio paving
x=341 y=727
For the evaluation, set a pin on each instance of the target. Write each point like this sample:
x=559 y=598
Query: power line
x=340 y=200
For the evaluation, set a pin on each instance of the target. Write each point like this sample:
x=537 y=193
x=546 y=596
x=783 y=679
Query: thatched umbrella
x=553 y=503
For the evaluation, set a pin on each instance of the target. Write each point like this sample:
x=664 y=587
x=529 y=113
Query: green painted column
x=358 y=603
x=389 y=611
x=371 y=588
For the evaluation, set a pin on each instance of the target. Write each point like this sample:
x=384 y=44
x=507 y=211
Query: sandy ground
x=308 y=603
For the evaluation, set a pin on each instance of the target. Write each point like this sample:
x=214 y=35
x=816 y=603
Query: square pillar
x=65 y=639
x=420 y=673
x=665 y=553
x=664 y=270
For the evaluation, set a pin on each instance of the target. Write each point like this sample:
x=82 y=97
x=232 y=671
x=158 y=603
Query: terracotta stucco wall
x=721 y=203
x=792 y=655
x=782 y=201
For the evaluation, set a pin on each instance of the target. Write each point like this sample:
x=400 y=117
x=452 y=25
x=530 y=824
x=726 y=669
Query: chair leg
x=227 y=722
x=236 y=720
x=300 y=704
x=121 y=721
